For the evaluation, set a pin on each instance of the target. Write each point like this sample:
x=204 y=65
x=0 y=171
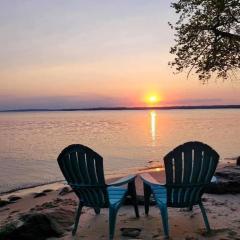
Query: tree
x=207 y=37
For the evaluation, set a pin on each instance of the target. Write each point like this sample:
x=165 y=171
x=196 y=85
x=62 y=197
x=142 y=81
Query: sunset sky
x=60 y=54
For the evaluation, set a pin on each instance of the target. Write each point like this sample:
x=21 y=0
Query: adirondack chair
x=83 y=170
x=189 y=169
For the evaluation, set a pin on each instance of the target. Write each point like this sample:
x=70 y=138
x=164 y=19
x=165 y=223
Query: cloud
x=56 y=102
x=193 y=101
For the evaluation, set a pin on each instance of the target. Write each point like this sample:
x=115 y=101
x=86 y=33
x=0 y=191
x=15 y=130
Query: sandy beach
x=95 y=91
x=223 y=212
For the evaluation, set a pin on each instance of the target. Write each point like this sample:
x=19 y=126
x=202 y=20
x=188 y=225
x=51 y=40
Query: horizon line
x=186 y=107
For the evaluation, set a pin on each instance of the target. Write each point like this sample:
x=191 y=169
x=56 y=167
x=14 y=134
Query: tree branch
x=226 y=34
x=233 y=17
x=194 y=64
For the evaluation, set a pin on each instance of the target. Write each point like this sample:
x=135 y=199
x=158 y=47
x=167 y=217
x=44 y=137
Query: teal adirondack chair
x=83 y=170
x=189 y=169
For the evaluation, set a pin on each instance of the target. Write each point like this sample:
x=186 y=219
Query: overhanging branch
x=226 y=34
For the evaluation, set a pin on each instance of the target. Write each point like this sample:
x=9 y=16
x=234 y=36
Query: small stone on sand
x=13 y=198
x=130 y=232
x=41 y=194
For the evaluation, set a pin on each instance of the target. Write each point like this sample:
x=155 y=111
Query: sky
x=79 y=54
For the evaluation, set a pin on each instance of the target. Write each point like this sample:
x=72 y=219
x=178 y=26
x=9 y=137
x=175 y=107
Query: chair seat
x=116 y=195
x=160 y=194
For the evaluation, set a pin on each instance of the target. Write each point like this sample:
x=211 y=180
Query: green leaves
x=207 y=37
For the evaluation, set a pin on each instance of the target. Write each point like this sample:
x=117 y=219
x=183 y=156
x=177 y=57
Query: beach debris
x=13 y=198
x=213 y=232
x=140 y=201
x=38 y=226
x=69 y=202
x=190 y=238
x=65 y=191
x=4 y=209
x=192 y=215
x=131 y=232
x=47 y=190
x=217 y=203
x=228 y=181
x=49 y=205
x=159 y=236
x=232 y=233
x=58 y=200
x=41 y=194
x=14 y=211
x=238 y=161
x=3 y=203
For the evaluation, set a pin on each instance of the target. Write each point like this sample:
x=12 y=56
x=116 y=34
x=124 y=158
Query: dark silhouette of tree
x=207 y=37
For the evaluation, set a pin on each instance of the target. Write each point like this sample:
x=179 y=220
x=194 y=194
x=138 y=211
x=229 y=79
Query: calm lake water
x=128 y=140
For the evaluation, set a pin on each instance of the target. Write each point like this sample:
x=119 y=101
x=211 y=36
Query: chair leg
x=133 y=194
x=164 y=214
x=147 y=194
x=97 y=210
x=78 y=213
x=112 y=222
x=205 y=218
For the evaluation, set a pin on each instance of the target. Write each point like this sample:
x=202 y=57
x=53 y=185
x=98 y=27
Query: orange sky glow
x=60 y=54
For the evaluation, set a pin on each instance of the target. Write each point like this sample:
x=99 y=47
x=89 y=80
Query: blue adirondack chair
x=189 y=169
x=83 y=170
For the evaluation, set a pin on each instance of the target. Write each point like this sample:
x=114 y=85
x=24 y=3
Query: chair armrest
x=123 y=181
x=149 y=180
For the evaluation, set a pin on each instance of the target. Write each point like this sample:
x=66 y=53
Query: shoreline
x=177 y=107
x=19 y=189
x=56 y=185
x=109 y=177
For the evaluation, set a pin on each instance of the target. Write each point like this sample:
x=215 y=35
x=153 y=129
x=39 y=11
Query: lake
x=127 y=140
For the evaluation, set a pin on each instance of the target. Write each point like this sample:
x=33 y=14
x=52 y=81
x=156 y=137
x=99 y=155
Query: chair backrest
x=83 y=170
x=189 y=168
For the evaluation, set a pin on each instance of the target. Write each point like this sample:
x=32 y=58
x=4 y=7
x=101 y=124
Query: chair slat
x=68 y=168
x=193 y=167
x=75 y=168
x=98 y=167
x=206 y=165
x=92 y=168
x=168 y=160
x=187 y=166
x=83 y=167
x=197 y=156
x=178 y=166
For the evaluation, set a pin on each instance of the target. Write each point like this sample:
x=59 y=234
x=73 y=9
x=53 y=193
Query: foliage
x=207 y=37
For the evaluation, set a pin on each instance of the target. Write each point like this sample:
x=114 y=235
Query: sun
x=152 y=99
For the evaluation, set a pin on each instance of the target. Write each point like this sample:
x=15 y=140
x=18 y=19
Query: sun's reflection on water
x=153 y=125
